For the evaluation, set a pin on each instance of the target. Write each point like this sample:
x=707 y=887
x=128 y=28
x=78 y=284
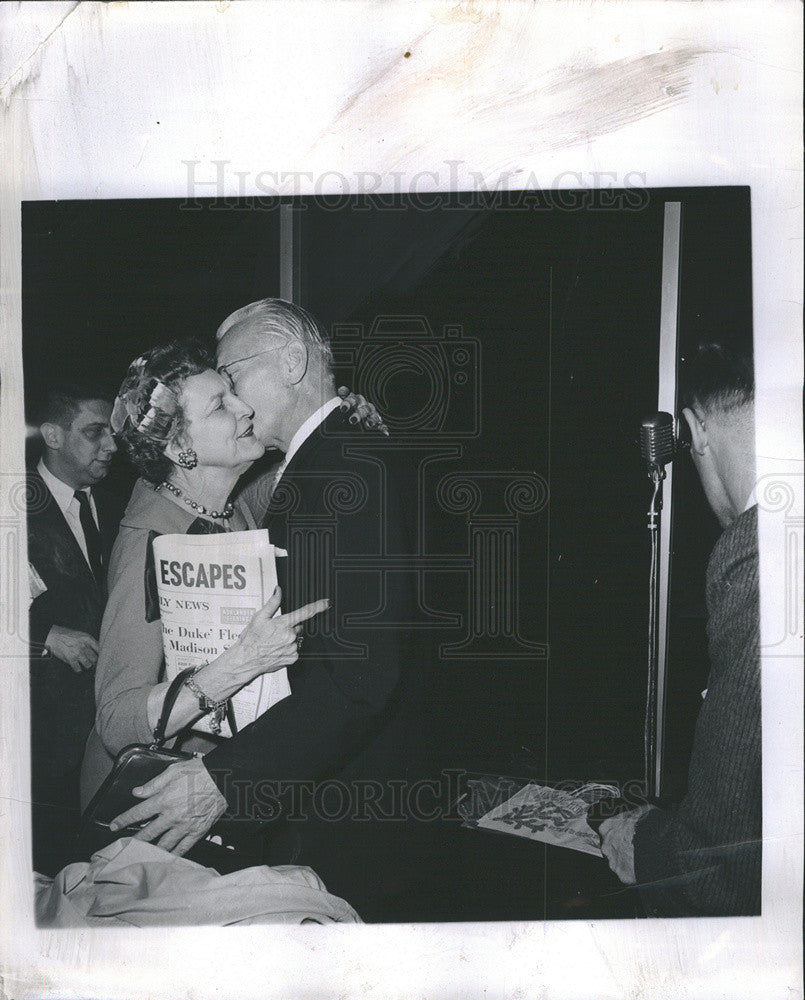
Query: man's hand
x=364 y=411
x=617 y=842
x=77 y=649
x=182 y=804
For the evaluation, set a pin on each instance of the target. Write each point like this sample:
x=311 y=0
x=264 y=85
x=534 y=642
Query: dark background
x=559 y=295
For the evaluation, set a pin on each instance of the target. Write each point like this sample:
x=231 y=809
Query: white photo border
x=115 y=100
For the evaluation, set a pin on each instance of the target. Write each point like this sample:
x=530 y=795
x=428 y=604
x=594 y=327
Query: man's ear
x=52 y=435
x=295 y=361
x=698 y=431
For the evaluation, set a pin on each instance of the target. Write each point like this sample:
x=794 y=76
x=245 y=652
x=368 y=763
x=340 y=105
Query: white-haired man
x=326 y=758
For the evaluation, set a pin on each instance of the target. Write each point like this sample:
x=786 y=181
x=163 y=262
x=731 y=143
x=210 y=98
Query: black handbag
x=134 y=766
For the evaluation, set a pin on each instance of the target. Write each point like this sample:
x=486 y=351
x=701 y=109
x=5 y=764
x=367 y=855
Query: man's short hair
x=718 y=378
x=286 y=319
x=60 y=402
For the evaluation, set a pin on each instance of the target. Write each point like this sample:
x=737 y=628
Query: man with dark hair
x=703 y=857
x=71 y=527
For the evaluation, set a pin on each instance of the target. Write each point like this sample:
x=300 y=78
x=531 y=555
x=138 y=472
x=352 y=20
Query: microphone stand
x=656 y=474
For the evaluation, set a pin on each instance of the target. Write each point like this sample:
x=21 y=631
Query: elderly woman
x=191 y=438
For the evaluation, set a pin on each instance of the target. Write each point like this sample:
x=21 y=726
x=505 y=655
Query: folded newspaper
x=552 y=815
x=209 y=587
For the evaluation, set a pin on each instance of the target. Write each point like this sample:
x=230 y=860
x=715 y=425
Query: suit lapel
x=277 y=515
x=282 y=503
x=51 y=514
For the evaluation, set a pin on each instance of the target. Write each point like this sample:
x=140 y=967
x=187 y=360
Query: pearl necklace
x=224 y=515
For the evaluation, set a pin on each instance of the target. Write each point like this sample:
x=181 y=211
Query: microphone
x=657 y=442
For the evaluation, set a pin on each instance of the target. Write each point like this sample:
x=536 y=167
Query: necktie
x=92 y=536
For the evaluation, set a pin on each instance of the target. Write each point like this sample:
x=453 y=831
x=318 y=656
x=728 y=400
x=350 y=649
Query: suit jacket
x=351 y=718
x=704 y=856
x=74 y=598
x=61 y=700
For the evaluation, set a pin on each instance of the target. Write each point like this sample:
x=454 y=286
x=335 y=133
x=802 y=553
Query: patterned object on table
x=549 y=814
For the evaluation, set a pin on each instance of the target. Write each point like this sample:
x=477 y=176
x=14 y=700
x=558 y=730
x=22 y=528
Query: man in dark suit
x=703 y=857
x=71 y=528
x=326 y=757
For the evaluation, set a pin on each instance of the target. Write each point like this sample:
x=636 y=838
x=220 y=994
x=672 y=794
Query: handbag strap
x=167 y=706
x=230 y=718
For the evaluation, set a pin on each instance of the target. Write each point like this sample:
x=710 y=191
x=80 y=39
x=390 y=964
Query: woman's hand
x=269 y=641
x=363 y=411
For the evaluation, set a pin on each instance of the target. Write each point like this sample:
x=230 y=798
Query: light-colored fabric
x=255 y=496
x=64 y=496
x=617 y=842
x=131 y=651
x=132 y=882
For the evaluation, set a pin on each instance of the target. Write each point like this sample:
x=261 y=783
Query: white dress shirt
x=64 y=496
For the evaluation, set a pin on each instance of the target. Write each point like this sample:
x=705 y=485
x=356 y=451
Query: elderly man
x=71 y=527
x=327 y=756
x=703 y=856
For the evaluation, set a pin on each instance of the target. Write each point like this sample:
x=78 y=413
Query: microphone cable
x=650 y=728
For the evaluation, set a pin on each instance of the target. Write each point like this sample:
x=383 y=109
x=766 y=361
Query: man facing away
x=703 y=857
x=327 y=754
x=71 y=528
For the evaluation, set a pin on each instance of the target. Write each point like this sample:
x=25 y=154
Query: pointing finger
x=306 y=612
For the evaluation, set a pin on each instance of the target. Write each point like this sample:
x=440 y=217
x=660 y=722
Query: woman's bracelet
x=207 y=705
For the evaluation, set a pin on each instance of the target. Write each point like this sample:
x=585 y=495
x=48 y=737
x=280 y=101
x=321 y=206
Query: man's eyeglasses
x=225 y=369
